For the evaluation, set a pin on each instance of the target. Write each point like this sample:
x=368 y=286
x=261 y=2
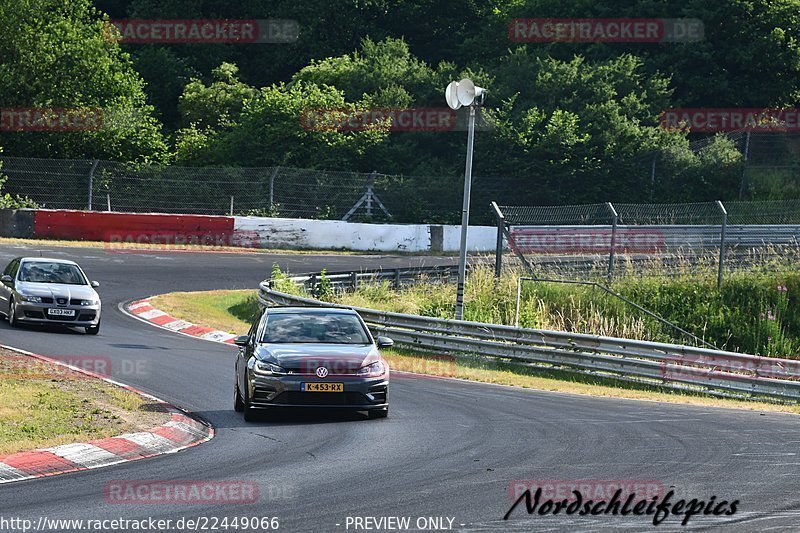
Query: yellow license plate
x=323 y=387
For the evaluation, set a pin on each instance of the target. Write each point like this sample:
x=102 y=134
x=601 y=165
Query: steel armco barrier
x=686 y=368
x=396 y=276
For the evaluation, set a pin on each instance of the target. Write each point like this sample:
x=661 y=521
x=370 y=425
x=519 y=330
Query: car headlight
x=31 y=299
x=375 y=369
x=268 y=369
x=89 y=302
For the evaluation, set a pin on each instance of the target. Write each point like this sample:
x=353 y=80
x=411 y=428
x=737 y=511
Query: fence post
x=722 y=242
x=272 y=186
x=743 y=183
x=91 y=181
x=370 y=184
x=613 y=244
x=231 y=205
x=498 y=252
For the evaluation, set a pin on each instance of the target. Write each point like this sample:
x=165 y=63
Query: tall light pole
x=457 y=94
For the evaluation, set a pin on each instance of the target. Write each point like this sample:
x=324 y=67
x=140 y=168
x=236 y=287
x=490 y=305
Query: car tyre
x=250 y=414
x=378 y=413
x=12 y=314
x=238 y=403
x=93 y=330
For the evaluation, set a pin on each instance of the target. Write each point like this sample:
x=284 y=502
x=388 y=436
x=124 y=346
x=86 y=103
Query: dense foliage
x=572 y=122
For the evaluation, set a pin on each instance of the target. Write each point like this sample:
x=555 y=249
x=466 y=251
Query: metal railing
x=398 y=277
x=606 y=239
x=672 y=366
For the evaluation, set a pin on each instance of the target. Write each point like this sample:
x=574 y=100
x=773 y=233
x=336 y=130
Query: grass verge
x=229 y=311
x=43 y=405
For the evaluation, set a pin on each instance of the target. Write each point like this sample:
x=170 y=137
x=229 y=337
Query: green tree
x=56 y=55
x=219 y=104
x=273 y=129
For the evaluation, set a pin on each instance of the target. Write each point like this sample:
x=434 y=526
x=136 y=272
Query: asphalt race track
x=448 y=449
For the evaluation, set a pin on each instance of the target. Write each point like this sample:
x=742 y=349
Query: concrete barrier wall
x=129 y=227
x=16 y=223
x=334 y=234
x=260 y=232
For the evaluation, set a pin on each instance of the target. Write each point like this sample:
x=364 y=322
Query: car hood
x=56 y=290
x=306 y=358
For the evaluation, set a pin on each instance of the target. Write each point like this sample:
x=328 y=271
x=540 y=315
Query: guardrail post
x=614 y=220
x=722 y=242
x=272 y=187
x=312 y=280
x=91 y=181
x=354 y=280
x=397 y=279
x=743 y=182
x=498 y=252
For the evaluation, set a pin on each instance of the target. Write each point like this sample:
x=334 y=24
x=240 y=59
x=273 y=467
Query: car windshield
x=43 y=272
x=317 y=328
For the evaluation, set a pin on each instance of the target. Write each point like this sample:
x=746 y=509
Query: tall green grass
x=756 y=311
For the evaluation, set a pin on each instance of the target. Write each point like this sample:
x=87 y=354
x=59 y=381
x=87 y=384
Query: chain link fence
x=267 y=191
x=601 y=241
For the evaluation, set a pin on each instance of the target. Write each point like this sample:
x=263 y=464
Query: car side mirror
x=385 y=342
x=95 y=284
x=8 y=280
x=241 y=340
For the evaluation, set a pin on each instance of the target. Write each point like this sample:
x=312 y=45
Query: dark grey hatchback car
x=317 y=357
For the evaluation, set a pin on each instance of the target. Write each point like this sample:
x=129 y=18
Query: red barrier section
x=132 y=227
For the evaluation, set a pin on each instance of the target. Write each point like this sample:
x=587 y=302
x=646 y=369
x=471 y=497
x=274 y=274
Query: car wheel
x=250 y=414
x=12 y=314
x=238 y=403
x=93 y=330
x=379 y=413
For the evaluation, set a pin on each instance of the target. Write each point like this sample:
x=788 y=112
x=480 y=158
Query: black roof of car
x=311 y=310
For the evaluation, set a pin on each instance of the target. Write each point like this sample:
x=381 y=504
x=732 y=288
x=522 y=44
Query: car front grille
x=320 y=398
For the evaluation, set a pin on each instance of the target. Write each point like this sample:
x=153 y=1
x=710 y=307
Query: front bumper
x=39 y=313
x=361 y=394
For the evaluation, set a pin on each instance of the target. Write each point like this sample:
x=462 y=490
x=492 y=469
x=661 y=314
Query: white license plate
x=61 y=312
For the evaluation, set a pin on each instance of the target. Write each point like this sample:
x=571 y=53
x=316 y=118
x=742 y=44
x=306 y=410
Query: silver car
x=36 y=290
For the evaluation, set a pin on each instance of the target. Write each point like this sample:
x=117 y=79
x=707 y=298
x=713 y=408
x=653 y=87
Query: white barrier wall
x=479 y=238
x=337 y=234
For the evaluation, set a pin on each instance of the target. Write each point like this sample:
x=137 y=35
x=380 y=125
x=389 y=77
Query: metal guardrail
x=396 y=276
x=673 y=366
